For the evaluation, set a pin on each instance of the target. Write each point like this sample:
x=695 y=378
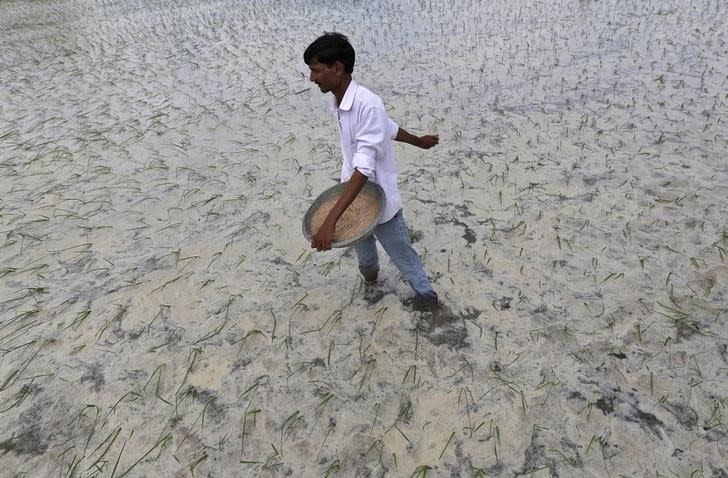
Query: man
x=366 y=134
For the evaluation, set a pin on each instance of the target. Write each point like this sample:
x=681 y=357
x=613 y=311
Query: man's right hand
x=321 y=241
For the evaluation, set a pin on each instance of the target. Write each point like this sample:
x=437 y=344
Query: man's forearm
x=321 y=240
x=405 y=137
x=355 y=184
x=425 y=142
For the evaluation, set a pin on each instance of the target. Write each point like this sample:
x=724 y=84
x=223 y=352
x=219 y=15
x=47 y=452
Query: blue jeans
x=394 y=238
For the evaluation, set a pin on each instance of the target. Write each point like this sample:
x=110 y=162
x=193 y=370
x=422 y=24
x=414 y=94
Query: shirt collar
x=348 y=100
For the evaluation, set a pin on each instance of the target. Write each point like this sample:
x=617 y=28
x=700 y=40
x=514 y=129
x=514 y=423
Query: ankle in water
x=425 y=302
x=370 y=278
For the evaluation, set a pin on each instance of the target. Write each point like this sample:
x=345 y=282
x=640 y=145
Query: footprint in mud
x=373 y=294
x=442 y=327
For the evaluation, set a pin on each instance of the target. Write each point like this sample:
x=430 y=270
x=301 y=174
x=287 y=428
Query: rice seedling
x=421 y=471
x=216 y=331
x=159 y=446
x=496 y=438
x=289 y=424
x=195 y=463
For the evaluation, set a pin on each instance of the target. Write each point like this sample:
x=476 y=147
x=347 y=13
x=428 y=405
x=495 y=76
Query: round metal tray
x=371 y=192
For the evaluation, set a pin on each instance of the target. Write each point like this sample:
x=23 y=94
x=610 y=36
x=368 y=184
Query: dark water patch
x=575 y=460
x=619 y=355
x=541 y=309
x=241 y=363
x=462 y=463
x=28 y=442
x=625 y=405
x=575 y=395
x=374 y=471
x=174 y=420
x=442 y=327
x=258 y=217
x=209 y=399
x=471 y=313
x=591 y=180
x=48 y=421
x=152 y=264
x=685 y=415
x=542 y=312
x=647 y=421
x=281 y=266
x=463 y=210
x=504 y=303
x=686 y=329
x=136 y=375
x=291 y=279
x=414 y=235
x=373 y=294
x=279 y=261
x=370 y=463
x=465 y=466
x=535 y=457
x=469 y=234
x=213 y=408
x=605 y=404
x=602 y=369
x=78 y=265
x=173 y=337
x=94 y=375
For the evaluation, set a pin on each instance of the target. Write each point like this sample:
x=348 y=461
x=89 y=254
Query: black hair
x=330 y=48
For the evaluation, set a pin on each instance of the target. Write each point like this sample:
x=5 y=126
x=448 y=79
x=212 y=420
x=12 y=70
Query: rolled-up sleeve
x=393 y=128
x=374 y=130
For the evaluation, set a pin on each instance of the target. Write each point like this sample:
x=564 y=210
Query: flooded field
x=161 y=313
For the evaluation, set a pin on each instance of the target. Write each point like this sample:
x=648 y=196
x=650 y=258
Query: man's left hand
x=427 y=141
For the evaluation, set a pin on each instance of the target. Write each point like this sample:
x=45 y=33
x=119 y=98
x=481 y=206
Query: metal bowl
x=371 y=189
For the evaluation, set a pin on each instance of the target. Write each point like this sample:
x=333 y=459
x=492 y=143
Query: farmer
x=366 y=135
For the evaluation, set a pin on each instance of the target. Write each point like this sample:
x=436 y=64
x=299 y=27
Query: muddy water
x=162 y=315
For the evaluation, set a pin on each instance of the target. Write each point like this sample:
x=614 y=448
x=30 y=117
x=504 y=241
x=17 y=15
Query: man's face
x=327 y=77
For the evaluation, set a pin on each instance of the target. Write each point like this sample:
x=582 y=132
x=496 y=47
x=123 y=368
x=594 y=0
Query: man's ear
x=340 y=67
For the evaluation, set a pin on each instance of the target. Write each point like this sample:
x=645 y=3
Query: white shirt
x=366 y=134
